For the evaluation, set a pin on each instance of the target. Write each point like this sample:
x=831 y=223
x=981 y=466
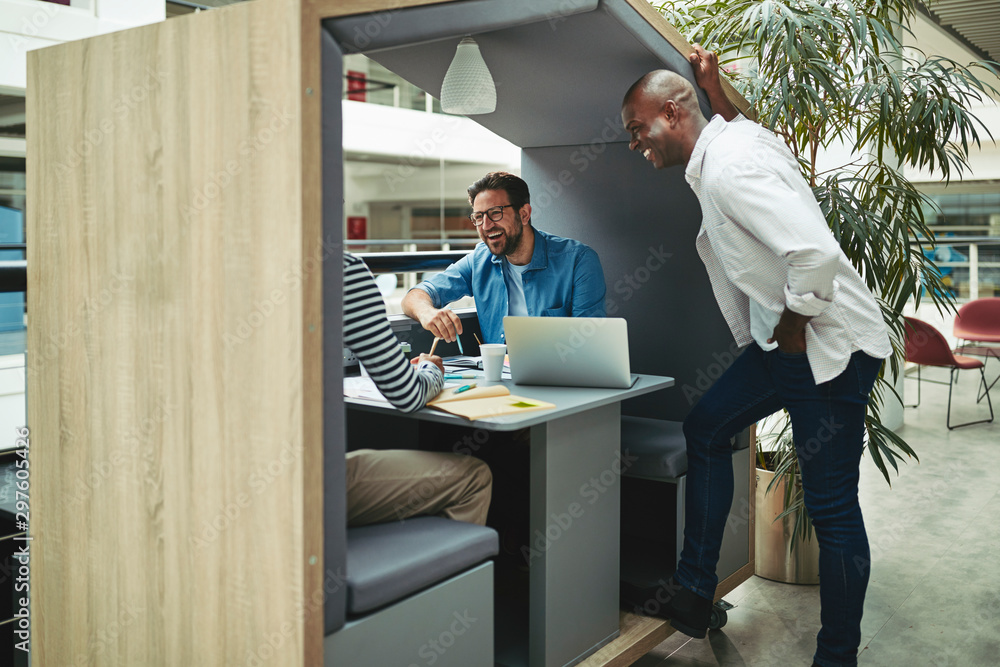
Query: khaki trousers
x=396 y=484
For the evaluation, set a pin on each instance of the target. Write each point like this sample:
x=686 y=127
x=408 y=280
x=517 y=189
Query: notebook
x=493 y=400
x=568 y=351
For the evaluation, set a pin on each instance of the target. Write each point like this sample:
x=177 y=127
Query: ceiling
x=560 y=74
x=976 y=22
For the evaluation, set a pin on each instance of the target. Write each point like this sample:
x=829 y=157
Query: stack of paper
x=485 y=402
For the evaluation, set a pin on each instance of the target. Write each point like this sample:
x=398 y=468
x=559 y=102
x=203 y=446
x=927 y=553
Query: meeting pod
x=185 y=342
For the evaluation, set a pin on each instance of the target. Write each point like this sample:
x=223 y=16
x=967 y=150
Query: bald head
x=661 y=114
x=662 y=85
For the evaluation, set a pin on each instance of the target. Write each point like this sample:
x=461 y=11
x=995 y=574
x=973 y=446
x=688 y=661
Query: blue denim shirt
x=563 y=279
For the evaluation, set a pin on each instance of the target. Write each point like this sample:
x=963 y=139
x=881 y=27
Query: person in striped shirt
x=813 y=336
x=395 y=484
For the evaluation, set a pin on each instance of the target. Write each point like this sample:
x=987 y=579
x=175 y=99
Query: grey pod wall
x=632 y=215
x=334 y=442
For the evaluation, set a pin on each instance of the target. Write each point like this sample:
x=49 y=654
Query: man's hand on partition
x=705 y=65
x=433 y=358
x=441 y=322
x=706 y=68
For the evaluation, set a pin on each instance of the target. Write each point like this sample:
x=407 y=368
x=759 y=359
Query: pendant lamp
x=468 y=87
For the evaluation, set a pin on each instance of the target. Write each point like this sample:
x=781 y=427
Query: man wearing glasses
x=516 y=270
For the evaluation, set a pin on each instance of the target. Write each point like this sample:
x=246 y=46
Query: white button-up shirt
x=766 y=245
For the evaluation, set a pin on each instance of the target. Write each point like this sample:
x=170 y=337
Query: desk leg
x=574 y=528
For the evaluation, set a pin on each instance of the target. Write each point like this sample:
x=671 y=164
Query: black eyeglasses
x=495 y=214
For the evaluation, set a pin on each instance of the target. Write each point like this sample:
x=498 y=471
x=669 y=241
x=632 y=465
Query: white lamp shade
x=468 y=87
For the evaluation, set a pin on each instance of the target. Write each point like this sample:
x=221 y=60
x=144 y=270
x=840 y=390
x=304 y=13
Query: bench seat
x=390 y=561
x=658 y=446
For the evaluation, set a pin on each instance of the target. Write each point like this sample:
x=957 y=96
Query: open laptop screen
x=568 y=351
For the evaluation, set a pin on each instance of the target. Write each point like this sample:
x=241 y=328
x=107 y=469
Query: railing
x=375 y=85
x=13 y=274
x=443 y=244
x=411 y=262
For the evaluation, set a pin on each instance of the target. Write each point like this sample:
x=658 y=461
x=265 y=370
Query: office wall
x=643 y=224
x=28 y=24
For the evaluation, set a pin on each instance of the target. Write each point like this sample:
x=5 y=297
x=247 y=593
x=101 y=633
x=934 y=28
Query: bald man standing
x=814 y=342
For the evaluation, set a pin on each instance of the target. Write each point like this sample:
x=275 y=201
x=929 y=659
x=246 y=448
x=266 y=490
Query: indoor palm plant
x=824 y=73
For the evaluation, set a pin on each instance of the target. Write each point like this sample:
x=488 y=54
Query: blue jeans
x=828 y=425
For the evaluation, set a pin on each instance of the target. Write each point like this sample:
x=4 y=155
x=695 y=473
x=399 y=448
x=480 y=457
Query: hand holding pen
x=443 y=323
x=431 y=357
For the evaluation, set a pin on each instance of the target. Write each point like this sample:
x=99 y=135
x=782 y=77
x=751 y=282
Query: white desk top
x=568 y=401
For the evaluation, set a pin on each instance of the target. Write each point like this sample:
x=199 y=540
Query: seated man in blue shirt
x=516 y=270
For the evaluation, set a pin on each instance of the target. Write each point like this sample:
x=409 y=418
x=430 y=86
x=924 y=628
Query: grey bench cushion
x=658 y=446
x=389 y=561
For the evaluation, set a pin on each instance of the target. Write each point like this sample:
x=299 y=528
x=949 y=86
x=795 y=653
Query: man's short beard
x=512 y=243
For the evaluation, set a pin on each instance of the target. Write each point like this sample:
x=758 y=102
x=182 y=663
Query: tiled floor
x=934 y=596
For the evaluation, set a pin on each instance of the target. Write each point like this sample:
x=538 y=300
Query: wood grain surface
x=173 y=291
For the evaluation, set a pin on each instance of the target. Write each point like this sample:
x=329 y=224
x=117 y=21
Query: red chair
x=979 y=322
x=926 y=346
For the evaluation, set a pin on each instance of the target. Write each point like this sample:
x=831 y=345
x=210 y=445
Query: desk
x=575 y=465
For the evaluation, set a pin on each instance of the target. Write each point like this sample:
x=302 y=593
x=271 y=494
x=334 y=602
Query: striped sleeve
x=368 y=334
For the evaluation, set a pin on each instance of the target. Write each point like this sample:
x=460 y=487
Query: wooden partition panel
x=174 y=300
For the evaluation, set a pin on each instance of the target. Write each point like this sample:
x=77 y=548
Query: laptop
x=568 y=351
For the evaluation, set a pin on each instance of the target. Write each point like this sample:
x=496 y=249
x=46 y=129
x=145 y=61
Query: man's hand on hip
x=790 y=334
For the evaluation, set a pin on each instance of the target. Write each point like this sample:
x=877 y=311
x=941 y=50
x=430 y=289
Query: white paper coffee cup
x=493 y=354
